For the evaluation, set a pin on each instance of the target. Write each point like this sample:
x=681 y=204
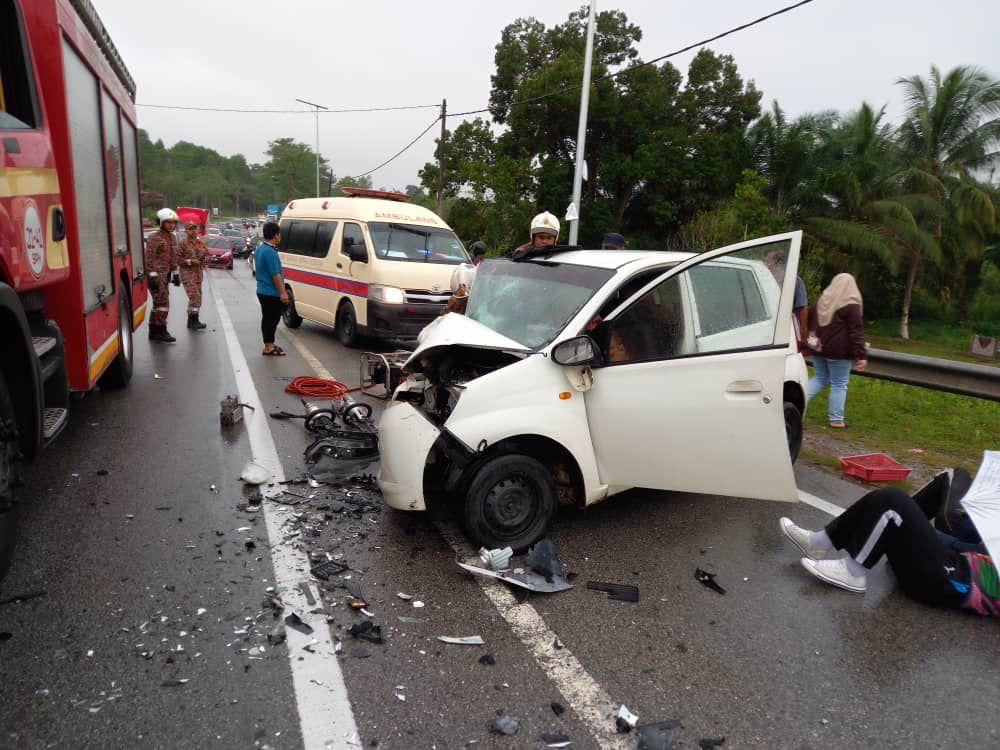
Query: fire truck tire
x=10 y=474
x=120 y=372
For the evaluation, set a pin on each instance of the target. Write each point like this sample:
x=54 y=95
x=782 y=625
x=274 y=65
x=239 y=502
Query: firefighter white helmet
x=545 y=223
x=166 y=214
x=462 y=279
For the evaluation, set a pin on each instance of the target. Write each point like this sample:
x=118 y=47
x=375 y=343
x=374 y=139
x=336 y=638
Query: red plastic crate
x=874 y=467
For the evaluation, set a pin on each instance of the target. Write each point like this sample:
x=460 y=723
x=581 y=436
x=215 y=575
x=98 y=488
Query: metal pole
x=581 y=131
x=444 y=135
x=318 y=108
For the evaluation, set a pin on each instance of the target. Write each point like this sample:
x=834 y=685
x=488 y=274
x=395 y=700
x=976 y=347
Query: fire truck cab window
x=17 y=101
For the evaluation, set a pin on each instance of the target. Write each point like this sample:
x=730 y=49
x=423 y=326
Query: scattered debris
x=543 y=558
x=556 y=740
x=659 y=735
x=277 y=635
x=709 y=742
x=156 y=376
x=412 y=620
x=325 y=570
x=307 y=593
x=174 y=683
x=418 y=604
x=101 y=472
x=707 y=580
x=366 y=631
x=404 y=597
x=254 y=473
x=625 y=721
x=296 y=623
x=496 y=559
x=462 y=640
x=557 y=708
x=507 y=725
x=23 y=597
x=620 y=592
x=231 y=411
x=524 y=579
x=487 y=660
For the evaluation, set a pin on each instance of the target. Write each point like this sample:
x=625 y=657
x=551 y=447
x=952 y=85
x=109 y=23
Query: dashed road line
x=820 y=504
x=325 y=715
x=584 y=696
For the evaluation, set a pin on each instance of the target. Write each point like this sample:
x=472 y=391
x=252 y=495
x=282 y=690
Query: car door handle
x=744 y=386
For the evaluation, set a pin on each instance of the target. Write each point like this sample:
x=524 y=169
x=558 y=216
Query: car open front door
x=690 y=395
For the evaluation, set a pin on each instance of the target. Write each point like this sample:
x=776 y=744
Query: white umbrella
x=982 y=502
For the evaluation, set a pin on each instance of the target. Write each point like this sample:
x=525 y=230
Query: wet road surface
x=153 y=628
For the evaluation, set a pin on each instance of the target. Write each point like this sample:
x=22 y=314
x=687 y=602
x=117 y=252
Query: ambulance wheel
x=120 y=372
x=10 y=475
x=347 y=324
x=291 y=318
x=510 y=502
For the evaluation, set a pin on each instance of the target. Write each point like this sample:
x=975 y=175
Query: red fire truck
x=72 y=289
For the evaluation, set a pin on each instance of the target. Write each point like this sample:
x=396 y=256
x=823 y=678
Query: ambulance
x=368 y=263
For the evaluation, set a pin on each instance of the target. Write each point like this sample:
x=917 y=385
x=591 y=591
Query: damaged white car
x=577 y=375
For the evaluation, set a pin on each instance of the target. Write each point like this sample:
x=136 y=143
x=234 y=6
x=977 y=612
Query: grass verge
x=926 y=339
x=892 y=418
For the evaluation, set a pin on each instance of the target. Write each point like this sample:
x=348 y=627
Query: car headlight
x=391 y=295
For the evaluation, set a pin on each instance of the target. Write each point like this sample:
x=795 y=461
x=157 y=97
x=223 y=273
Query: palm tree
x=951 y=134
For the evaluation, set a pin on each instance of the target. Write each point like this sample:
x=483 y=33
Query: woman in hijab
x=837 y=340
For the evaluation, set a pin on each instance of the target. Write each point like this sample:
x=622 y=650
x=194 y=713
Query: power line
x=675 y=53
x=402 y=150
x=287 y=111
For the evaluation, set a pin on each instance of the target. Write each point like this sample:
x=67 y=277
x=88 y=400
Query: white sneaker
x=802 y=539
x=835 y=572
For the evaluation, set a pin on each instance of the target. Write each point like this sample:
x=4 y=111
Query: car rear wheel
x=510 y=502
x=291 y=318
x=793 y=429
x=347 y=325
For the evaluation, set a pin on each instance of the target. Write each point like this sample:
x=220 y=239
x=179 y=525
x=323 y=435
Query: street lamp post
x=581 y=131
x=318 y=108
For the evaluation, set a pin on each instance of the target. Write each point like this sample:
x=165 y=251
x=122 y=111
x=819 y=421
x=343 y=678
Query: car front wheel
x=793 y=429
x=510 y=502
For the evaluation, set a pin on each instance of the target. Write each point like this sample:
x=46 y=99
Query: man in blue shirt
x=270 y=287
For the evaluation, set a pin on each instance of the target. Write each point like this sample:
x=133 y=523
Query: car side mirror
x=357 y=253
x=576 y=352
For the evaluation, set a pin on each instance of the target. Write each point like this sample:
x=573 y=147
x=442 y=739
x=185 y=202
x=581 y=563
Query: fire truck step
x=53 y=421
x=43 y=344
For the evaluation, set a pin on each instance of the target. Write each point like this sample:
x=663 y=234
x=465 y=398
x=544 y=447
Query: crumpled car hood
x=456 y=330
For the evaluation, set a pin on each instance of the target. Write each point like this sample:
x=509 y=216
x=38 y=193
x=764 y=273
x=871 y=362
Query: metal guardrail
x=964 y=378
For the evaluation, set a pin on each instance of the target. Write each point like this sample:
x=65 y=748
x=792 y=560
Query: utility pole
x=318 y=108
x=444 y=135
x=581 y=131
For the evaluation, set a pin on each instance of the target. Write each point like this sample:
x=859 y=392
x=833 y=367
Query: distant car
x=213 y=229
x=220 y=252
x=147 y=223
x=237 y=241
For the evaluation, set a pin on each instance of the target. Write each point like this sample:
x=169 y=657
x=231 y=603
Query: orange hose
x=318 y=387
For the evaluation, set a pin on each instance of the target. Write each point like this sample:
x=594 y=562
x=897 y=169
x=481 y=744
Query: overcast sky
x=831 y=54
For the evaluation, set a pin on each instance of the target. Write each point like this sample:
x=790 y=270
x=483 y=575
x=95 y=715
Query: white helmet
x=462 y=279
x=545 y=223
x=166 y=214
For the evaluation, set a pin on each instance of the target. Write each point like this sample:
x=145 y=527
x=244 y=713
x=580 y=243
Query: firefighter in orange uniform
x=161 y=259
x=192 y=257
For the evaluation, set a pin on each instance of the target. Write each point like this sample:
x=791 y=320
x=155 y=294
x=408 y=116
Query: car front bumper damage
x=406 y=438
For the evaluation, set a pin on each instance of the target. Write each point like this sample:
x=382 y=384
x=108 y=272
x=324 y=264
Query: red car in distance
x=220 y=252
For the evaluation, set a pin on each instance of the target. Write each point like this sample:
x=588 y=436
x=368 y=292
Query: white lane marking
x=585 y=696
x=819 y=503
x=308 y=356
x=325 y=715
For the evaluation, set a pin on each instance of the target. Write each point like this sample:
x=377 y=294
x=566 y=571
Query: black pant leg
x=889 y=522
x=270 y=309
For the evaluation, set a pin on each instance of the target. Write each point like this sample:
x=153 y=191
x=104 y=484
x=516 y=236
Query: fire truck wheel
x=10 y=468
x=120 y=372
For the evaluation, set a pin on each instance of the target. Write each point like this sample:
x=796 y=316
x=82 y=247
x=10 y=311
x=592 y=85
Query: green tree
x=291 y=170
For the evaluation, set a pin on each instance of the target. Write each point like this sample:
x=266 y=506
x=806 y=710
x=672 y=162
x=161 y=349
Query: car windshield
x=218 y=244
x=417 y=244
x=232 y=233
x=531 y=302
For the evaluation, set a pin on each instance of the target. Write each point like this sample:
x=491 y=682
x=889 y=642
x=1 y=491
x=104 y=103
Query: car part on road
x=620 y=592
x=293 y=621
x=381 y=373
x=707 y=580
x=462 y=640
x=625 y=720
x=254 y=473
x=507 y=725
x=231 y=411
x=366 y=631
x=487 y=660
x=328 y=569
x=543 y=558
x=659 y=735
x=496 y=559
x=710 y=742
x=556 y=740
x=523 y=579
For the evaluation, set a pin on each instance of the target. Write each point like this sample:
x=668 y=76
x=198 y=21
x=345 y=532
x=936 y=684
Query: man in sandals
x=270 y=287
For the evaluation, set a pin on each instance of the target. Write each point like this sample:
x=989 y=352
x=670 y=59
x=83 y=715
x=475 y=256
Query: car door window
x=727 y=303
x=352 y=236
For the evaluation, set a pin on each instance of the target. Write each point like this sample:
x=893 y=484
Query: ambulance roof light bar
x=389 y=195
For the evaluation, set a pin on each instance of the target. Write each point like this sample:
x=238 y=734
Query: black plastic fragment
x=707 y=580
x=5 y=636
x=295 y=623
x=621 y=592
x=307 y=593
x=709 y=742
x=366 y=631
x=487 y=660
x=543 y=558
x=557 y=708
x=325 y=570
x=659 y=735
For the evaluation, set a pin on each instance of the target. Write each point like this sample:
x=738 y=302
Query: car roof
x=615 y=259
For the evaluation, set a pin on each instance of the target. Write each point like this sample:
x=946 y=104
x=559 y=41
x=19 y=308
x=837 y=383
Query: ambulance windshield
x=417 y=244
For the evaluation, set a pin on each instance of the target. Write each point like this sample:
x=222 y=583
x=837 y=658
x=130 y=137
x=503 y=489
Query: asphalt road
x=149 y=581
